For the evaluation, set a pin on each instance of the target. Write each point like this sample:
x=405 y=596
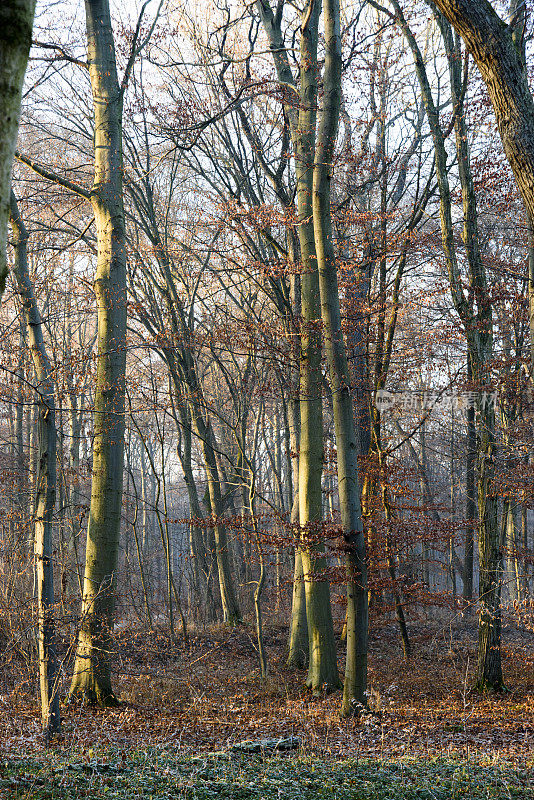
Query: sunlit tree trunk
x=355 y=686
x=298 y=645
x=92 y=668
x=298 y=629
x=45 y=479
x=499 y=59
x=322 y=671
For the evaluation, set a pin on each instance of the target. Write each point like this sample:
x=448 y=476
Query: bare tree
x=45 y=491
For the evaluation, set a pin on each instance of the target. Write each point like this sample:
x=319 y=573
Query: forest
x=267 y=399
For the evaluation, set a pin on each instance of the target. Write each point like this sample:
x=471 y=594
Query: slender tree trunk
x=184 y=377
x=45 y=480
x=390 y=558
x=530 y=230
x=139 y=553
x=92 y=668
x=148 y=511
x=524 y=544
x=298 y=646
x=229 y=603
x=451 y=565
x=259 y=585
x=489 y=670
x=322 y=672
x=355 y=686
x=73 y=496
x=19 y=426
x=478 y=325
x=513 y=570
x=298 y=630
x=199 y=553
x=471 y=504
x=257 y=608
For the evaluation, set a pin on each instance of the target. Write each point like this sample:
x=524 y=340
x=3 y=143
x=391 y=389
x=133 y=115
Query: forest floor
x=186 y=707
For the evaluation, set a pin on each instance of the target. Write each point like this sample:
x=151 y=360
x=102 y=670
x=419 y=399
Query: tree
x=92 y=669
x=16 y=24
x=498 y=54
x=355 y=686
x=45 y=492
x=475 y=313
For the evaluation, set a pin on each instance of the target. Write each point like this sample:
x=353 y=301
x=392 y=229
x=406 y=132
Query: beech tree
x=498 y=50
x=92 y=669
x=287 y=201
x=45 y=481
x=16 y=24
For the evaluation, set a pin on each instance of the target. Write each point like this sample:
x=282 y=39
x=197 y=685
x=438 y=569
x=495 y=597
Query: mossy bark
x=16 y=25
x=322 y=672
x=485 y=34
x=298 y=630
x=45 y=489
x=92 y=669
x=355 y=685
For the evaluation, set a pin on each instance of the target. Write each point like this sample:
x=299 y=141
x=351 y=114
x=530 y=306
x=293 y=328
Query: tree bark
x=491 y=43
x=298 y=629
x=16 y=25
x=230 y=605
x=45 y=480
x=355 y=685
x=92 y=668
x=322 y=670
x=478 y=327
x=471 y=503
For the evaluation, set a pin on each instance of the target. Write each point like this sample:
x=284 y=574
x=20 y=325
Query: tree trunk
x=322 y=651
x=471 y=505
x=45 y=480
x=16 y=25
x=298 y=629
x=229 y=603
x=92 y=668
x=531 y=292
x=199 y=554
x=512 y=578
x=478 y=324
x=355 y=686
x=139 y=550
x=489 y=670
x=322 y=670
x=491 y=43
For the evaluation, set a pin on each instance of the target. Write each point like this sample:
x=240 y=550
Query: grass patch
x=156 y=774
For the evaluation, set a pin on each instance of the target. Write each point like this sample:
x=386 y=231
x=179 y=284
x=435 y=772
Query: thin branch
x=43 y=172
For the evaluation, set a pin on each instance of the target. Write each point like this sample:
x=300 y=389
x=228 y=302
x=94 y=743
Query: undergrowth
x=157 y=774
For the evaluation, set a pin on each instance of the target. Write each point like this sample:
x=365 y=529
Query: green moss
x=16 y=25
x=485 y=687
